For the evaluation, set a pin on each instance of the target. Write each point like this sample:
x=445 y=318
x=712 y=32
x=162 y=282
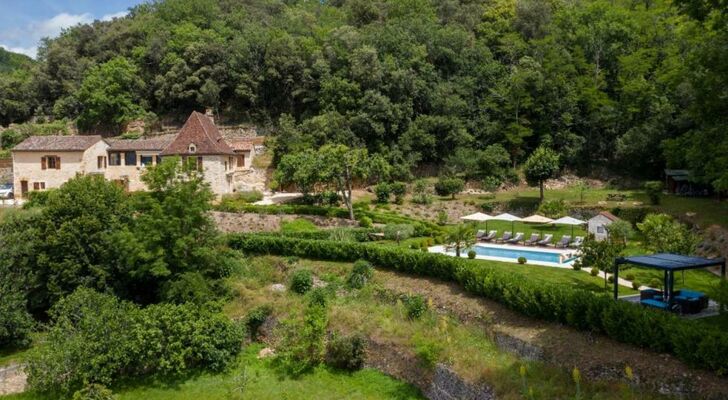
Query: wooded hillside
x=633 y=86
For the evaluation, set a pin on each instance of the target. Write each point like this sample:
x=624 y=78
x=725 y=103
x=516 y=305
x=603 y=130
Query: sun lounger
x=506 y=236
x=480 y=234
x=546 y=240
x=533 y=240
x=578 y=241
x=490 y=236
x=565 y=240
x=517 y=238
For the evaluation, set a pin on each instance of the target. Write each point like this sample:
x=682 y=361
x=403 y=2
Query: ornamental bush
x=471 y=254
x=399 y=190
x=361 y=273
x=15 y=321
x=415 y=306
x=522 y=260
x=382 y=191
x=697 y=345
x=449 y=186
x=301 y=281
x=346 y=352
x=96 y=338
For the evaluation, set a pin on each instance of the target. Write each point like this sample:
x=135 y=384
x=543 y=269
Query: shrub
x=428 y=353
x=471 y=254
x=442 y=217
x=576 y=266
x=720 y=295
x=655 y=283
x=398 y=231
x=420 y=193
x=665 y=235
x=697 y=345
x=361 y=273
x=250 y=196
x=553 y=208
x=491 y=183
x=346 y=352
x=399 y=190
x=255 y=319
x=653 y=189
x=382 y=191
x=449 y=186
x=301 y=281
x=629 y=276
x=636 y=285
x=594 y=271
x=633 y=215
x=488 y=206
x=522 y=260
x=16 y=323
x=365 y=222
x=610 y=279
x=301 y=346
x=415 y=306
x=97 y=338
x=94 y=392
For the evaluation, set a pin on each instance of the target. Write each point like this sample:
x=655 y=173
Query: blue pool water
x=505 y=252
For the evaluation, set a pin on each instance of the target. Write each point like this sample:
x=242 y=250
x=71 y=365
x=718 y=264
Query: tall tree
x=541 y=165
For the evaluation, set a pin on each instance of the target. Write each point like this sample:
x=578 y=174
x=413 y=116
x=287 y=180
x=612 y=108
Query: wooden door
x=23 y=189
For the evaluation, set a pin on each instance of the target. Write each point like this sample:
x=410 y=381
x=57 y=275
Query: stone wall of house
x=251 y=222
x=27 y=166
x=249 y=180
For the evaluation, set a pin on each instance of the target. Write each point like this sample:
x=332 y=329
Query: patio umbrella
x=507 y=217
x=537 y=219
x=569 y=221
x=478 y=217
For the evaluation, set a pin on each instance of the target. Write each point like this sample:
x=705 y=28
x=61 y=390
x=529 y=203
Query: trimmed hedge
x=697 y=345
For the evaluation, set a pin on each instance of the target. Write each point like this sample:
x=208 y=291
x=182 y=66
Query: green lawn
x=252 y=378
x=701 y=280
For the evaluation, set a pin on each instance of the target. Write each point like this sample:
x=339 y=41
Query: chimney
x=210 y=114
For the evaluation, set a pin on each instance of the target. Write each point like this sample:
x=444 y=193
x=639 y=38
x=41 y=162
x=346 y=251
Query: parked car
x=6 y=191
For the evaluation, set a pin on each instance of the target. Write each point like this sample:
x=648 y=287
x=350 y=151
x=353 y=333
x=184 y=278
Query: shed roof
x=152 y=143
x=677 y=172
x=58 y=143
x=671 y=262
x=607 y=215
x=202 y=132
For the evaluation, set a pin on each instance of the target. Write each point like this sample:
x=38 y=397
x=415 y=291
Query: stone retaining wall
x=438 y=383
x=251 y=222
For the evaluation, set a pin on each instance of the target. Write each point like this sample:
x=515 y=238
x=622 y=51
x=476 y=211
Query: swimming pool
x=512 y=252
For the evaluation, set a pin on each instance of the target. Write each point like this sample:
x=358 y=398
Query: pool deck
x=567 y=253
x=440 y=249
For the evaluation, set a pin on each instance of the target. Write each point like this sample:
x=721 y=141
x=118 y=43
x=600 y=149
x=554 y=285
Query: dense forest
x=632 y=86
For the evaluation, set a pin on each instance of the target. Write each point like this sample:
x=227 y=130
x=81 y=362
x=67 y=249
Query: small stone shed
x=597 y=225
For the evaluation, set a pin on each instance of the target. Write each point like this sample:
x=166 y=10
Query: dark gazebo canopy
x=669 y=263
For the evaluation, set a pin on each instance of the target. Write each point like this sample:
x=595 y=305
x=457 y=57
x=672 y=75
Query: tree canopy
x=627 y=85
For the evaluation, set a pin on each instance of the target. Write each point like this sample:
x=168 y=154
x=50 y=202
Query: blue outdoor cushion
x=691 y=293
x=655 y=303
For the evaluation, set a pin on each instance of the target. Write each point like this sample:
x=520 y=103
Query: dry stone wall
x=252 y=222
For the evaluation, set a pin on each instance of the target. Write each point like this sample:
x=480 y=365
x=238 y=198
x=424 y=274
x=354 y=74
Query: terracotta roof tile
x=241 y=144
x=152 y=143
x=58 y=143
x=609 y=215
x=202 y=132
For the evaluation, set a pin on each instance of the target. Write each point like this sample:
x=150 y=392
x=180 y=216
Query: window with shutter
x=199 y=163
x=43 y=163
x=241 y=161
x=36 y=185
x=51 y=162
x=58 y=166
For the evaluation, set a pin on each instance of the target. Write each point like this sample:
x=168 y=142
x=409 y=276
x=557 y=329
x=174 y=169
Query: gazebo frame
x=668 y=263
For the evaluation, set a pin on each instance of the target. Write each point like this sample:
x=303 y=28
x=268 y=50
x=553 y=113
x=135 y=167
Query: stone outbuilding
x=597 y=225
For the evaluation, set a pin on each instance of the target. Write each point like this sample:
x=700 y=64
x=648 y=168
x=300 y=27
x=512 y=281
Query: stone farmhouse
x=45 y=162
x=598 y=225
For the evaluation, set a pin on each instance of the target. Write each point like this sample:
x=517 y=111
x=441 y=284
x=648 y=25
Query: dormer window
x=192 y=148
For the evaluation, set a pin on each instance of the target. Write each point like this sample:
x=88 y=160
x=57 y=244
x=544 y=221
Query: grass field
x=253 y=378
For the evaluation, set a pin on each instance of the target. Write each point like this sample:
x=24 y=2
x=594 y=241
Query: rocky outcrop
x=13 y=379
